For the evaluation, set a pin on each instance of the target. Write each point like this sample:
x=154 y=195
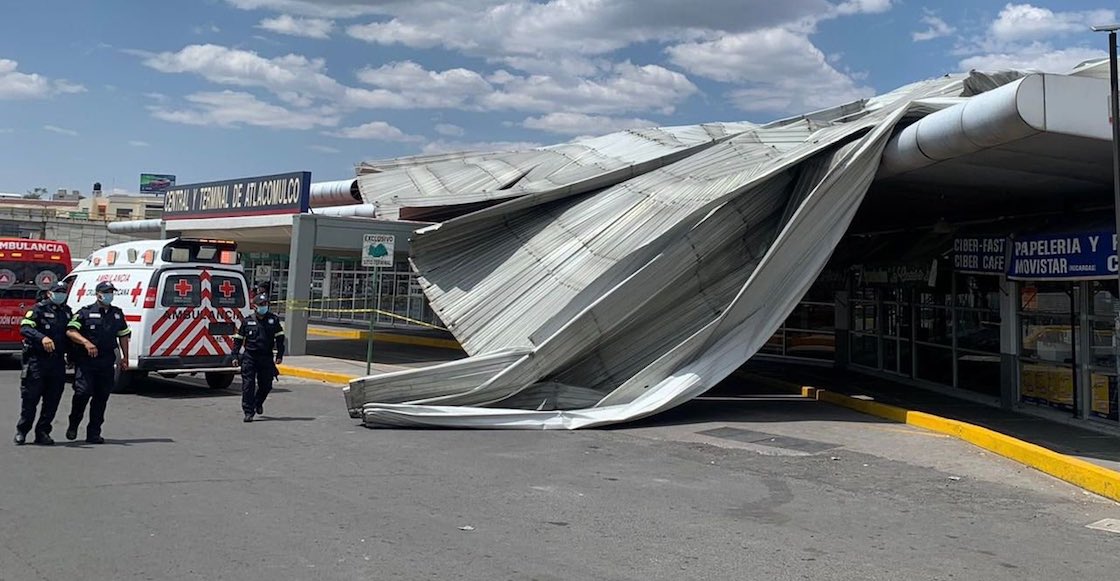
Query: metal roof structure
x=416 y=188
x=583 y=304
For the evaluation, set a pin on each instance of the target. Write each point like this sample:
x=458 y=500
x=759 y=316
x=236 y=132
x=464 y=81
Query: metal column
x=1009 y=340
x=300 y=265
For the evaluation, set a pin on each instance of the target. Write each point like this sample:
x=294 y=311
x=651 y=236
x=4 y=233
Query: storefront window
x=934 y=364
x=1102 y=355
x=1048 y=314
x=865 y=350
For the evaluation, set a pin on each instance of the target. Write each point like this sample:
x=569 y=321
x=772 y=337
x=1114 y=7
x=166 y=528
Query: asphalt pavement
x=738 y=487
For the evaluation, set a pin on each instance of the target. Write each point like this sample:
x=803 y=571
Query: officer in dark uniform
x=44 y=364
x=260 y=333
x=97 y=329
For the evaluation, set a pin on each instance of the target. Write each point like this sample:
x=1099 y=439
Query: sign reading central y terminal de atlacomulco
x=288 y=193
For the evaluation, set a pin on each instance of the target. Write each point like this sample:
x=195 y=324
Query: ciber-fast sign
x=980 y=255
x=288 y=193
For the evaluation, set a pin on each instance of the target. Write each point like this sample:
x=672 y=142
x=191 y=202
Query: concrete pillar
x=300 y=263
x=1008 y=343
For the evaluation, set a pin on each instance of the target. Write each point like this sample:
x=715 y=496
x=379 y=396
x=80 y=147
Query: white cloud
x=319 y=28
x=626 y=87
x=396 y=32
x=449 y=130
x=1027 y=37
x=60 y=130
x=375 y=130
x=323 y=149
x=580 y=124
x=935 y=28
x=17 y=85
x=6 y=130
x=441 y=146
x=1019 y=22
x=322 y=8
x=232 y=109
x=863 y=7
x=138 y=143
x=1036 y=57
x=778 y=70
x=292 y=77
x=428 y=89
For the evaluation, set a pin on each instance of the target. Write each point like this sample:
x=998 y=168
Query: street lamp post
x=1114 y=114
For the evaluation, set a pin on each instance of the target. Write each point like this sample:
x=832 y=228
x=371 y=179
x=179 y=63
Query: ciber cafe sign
x=1081 y=256
x=288 y=193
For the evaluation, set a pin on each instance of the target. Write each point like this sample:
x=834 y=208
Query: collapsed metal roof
x=625 y=275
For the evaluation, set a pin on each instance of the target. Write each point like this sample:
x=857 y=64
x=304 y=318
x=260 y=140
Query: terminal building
x=981 y=260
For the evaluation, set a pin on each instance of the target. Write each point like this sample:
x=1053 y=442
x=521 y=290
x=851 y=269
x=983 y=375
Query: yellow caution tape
x=293 y=307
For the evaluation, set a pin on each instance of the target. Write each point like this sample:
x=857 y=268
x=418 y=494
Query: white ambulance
x=183 y=299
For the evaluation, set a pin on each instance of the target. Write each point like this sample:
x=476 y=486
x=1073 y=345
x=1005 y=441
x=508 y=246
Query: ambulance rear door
x=199 y=310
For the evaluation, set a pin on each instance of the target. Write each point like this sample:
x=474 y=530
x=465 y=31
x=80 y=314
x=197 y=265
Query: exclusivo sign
x=31 y=246
x=288 y=193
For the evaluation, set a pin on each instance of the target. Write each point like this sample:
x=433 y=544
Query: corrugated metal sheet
x=584 y=307
x=405 y=189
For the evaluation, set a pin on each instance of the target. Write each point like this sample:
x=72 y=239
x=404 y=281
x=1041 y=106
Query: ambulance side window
x=182 y=290
x=229 y=292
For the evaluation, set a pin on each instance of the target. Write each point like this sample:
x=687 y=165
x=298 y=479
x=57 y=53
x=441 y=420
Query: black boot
x=95 y=440
x=44 y=440
x=260 y=409
x=20 y=439
x=248 y=418
x=72 y=432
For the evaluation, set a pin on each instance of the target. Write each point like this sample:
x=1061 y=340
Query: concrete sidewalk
x=1083 y=457
x=434 y=338
x=336 y=360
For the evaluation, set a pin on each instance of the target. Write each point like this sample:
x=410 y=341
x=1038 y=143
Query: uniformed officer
x=260 y=333
x=97 y=329
x=44 y=365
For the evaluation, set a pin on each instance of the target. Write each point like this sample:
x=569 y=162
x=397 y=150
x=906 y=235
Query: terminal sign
x=1083 y=256
x=257 y=196
x=980 y=255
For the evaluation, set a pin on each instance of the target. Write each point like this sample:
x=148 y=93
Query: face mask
x=106 y=298
x=262 y=310
x=58 y=298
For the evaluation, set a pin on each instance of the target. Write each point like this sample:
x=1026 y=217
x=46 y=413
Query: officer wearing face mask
x=259 y=334
x=44 y=366
x=97 y=329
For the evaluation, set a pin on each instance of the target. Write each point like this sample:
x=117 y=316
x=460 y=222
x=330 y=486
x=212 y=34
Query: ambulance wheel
x=219 y=380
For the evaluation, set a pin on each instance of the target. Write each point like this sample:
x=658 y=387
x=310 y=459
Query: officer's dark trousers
x=92 y=385
x=257 y=372
x=43 y=378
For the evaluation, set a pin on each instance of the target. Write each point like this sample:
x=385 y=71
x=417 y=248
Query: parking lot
x=740 y=486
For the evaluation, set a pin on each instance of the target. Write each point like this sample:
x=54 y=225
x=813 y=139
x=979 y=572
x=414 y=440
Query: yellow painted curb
x=357 y=334
x=1076 y=471
x=315 y=374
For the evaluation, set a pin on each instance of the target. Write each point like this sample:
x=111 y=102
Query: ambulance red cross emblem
x=183 y=287
x=227 y=289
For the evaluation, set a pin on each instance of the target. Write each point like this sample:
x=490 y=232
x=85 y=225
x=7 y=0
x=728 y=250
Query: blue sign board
x=1083 y=256
x=288 y=193
x=980 y=255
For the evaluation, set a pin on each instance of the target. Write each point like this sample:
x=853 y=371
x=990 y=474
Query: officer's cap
x=106 y=287
x=59 y=287
x=261 y=299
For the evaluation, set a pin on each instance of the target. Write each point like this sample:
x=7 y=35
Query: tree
x=36 y=194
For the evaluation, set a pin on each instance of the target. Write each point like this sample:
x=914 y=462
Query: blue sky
x=217 y=89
